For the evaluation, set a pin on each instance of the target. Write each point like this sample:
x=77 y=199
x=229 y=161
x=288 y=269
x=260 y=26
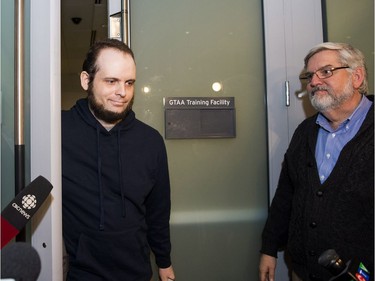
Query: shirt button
x=312 y=253
x=333 y=135
x=319 y=193
x=328 y=155
x=322 y=177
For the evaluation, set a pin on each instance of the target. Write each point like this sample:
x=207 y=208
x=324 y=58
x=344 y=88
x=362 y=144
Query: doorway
x=219 y=186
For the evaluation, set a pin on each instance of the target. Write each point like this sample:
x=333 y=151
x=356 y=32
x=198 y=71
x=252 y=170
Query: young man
x=116 y=192
x=325 y=194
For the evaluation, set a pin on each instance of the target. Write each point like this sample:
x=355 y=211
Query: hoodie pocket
x=115 y=254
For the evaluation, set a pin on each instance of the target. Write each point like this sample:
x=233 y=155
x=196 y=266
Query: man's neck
x=106 y=125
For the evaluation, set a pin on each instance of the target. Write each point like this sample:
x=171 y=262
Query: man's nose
x=121 y=90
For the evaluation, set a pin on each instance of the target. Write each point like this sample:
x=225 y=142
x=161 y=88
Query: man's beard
x=103 y=114
x=330 y=100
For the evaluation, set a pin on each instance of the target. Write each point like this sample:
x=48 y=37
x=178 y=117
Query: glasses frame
x=309 y=75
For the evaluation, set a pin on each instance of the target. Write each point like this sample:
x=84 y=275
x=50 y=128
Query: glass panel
x=219 y=186
x=352 y=22
x=7 y=101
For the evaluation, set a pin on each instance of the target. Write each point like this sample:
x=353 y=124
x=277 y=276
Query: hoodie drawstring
x=101 y=199
x=120 y=174
x=101 y=223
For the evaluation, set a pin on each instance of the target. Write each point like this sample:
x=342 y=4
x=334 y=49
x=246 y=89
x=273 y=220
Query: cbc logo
x=29 y=201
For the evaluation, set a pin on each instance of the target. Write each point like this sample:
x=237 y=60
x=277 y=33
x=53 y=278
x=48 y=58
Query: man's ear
x=85 y=79
x=358 y=77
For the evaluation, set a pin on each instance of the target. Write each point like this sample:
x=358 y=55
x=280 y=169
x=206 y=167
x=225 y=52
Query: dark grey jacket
x=308 y=217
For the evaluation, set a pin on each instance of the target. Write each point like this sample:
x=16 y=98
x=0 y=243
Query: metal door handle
x=119 y=23
x=287 y=93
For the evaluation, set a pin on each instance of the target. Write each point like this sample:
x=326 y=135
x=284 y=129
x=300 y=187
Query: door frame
x=45 y=131
x=288 y=37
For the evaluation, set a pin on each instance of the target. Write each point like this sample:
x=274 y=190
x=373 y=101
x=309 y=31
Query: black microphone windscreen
x=20 y=261
x=327 y=257
x=331 y=261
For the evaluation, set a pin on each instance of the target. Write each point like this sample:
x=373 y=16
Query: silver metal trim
x=126 y=22
x=287 y=94
x=19 y=72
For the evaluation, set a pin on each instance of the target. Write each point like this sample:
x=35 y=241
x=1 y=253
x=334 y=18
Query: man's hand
x=267 y=268
x=166 y=274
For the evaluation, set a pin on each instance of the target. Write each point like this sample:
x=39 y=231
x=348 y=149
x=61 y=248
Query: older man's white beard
x=330 y=100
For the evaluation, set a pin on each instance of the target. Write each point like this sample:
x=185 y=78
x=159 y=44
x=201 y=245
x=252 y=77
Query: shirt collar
x=361 y=110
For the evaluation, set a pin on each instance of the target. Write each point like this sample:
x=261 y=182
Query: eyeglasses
x=322 y=73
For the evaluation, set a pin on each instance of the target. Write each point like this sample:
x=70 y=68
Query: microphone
x=20 y=261
x=20 y=210
x=353 y=270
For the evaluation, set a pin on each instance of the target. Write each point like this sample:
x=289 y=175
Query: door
x=220 y=185
x=41 y=123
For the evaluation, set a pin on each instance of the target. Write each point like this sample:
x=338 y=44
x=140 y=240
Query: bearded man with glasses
x=325 y=194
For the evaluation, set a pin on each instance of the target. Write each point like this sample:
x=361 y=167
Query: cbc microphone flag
x=21 y=209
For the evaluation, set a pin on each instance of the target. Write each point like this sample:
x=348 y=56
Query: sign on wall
x=199 y=117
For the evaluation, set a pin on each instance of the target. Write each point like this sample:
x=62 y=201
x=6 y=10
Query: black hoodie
x=116 y=197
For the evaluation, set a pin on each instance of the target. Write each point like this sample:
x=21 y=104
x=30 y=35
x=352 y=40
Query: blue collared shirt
x=330 y=142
